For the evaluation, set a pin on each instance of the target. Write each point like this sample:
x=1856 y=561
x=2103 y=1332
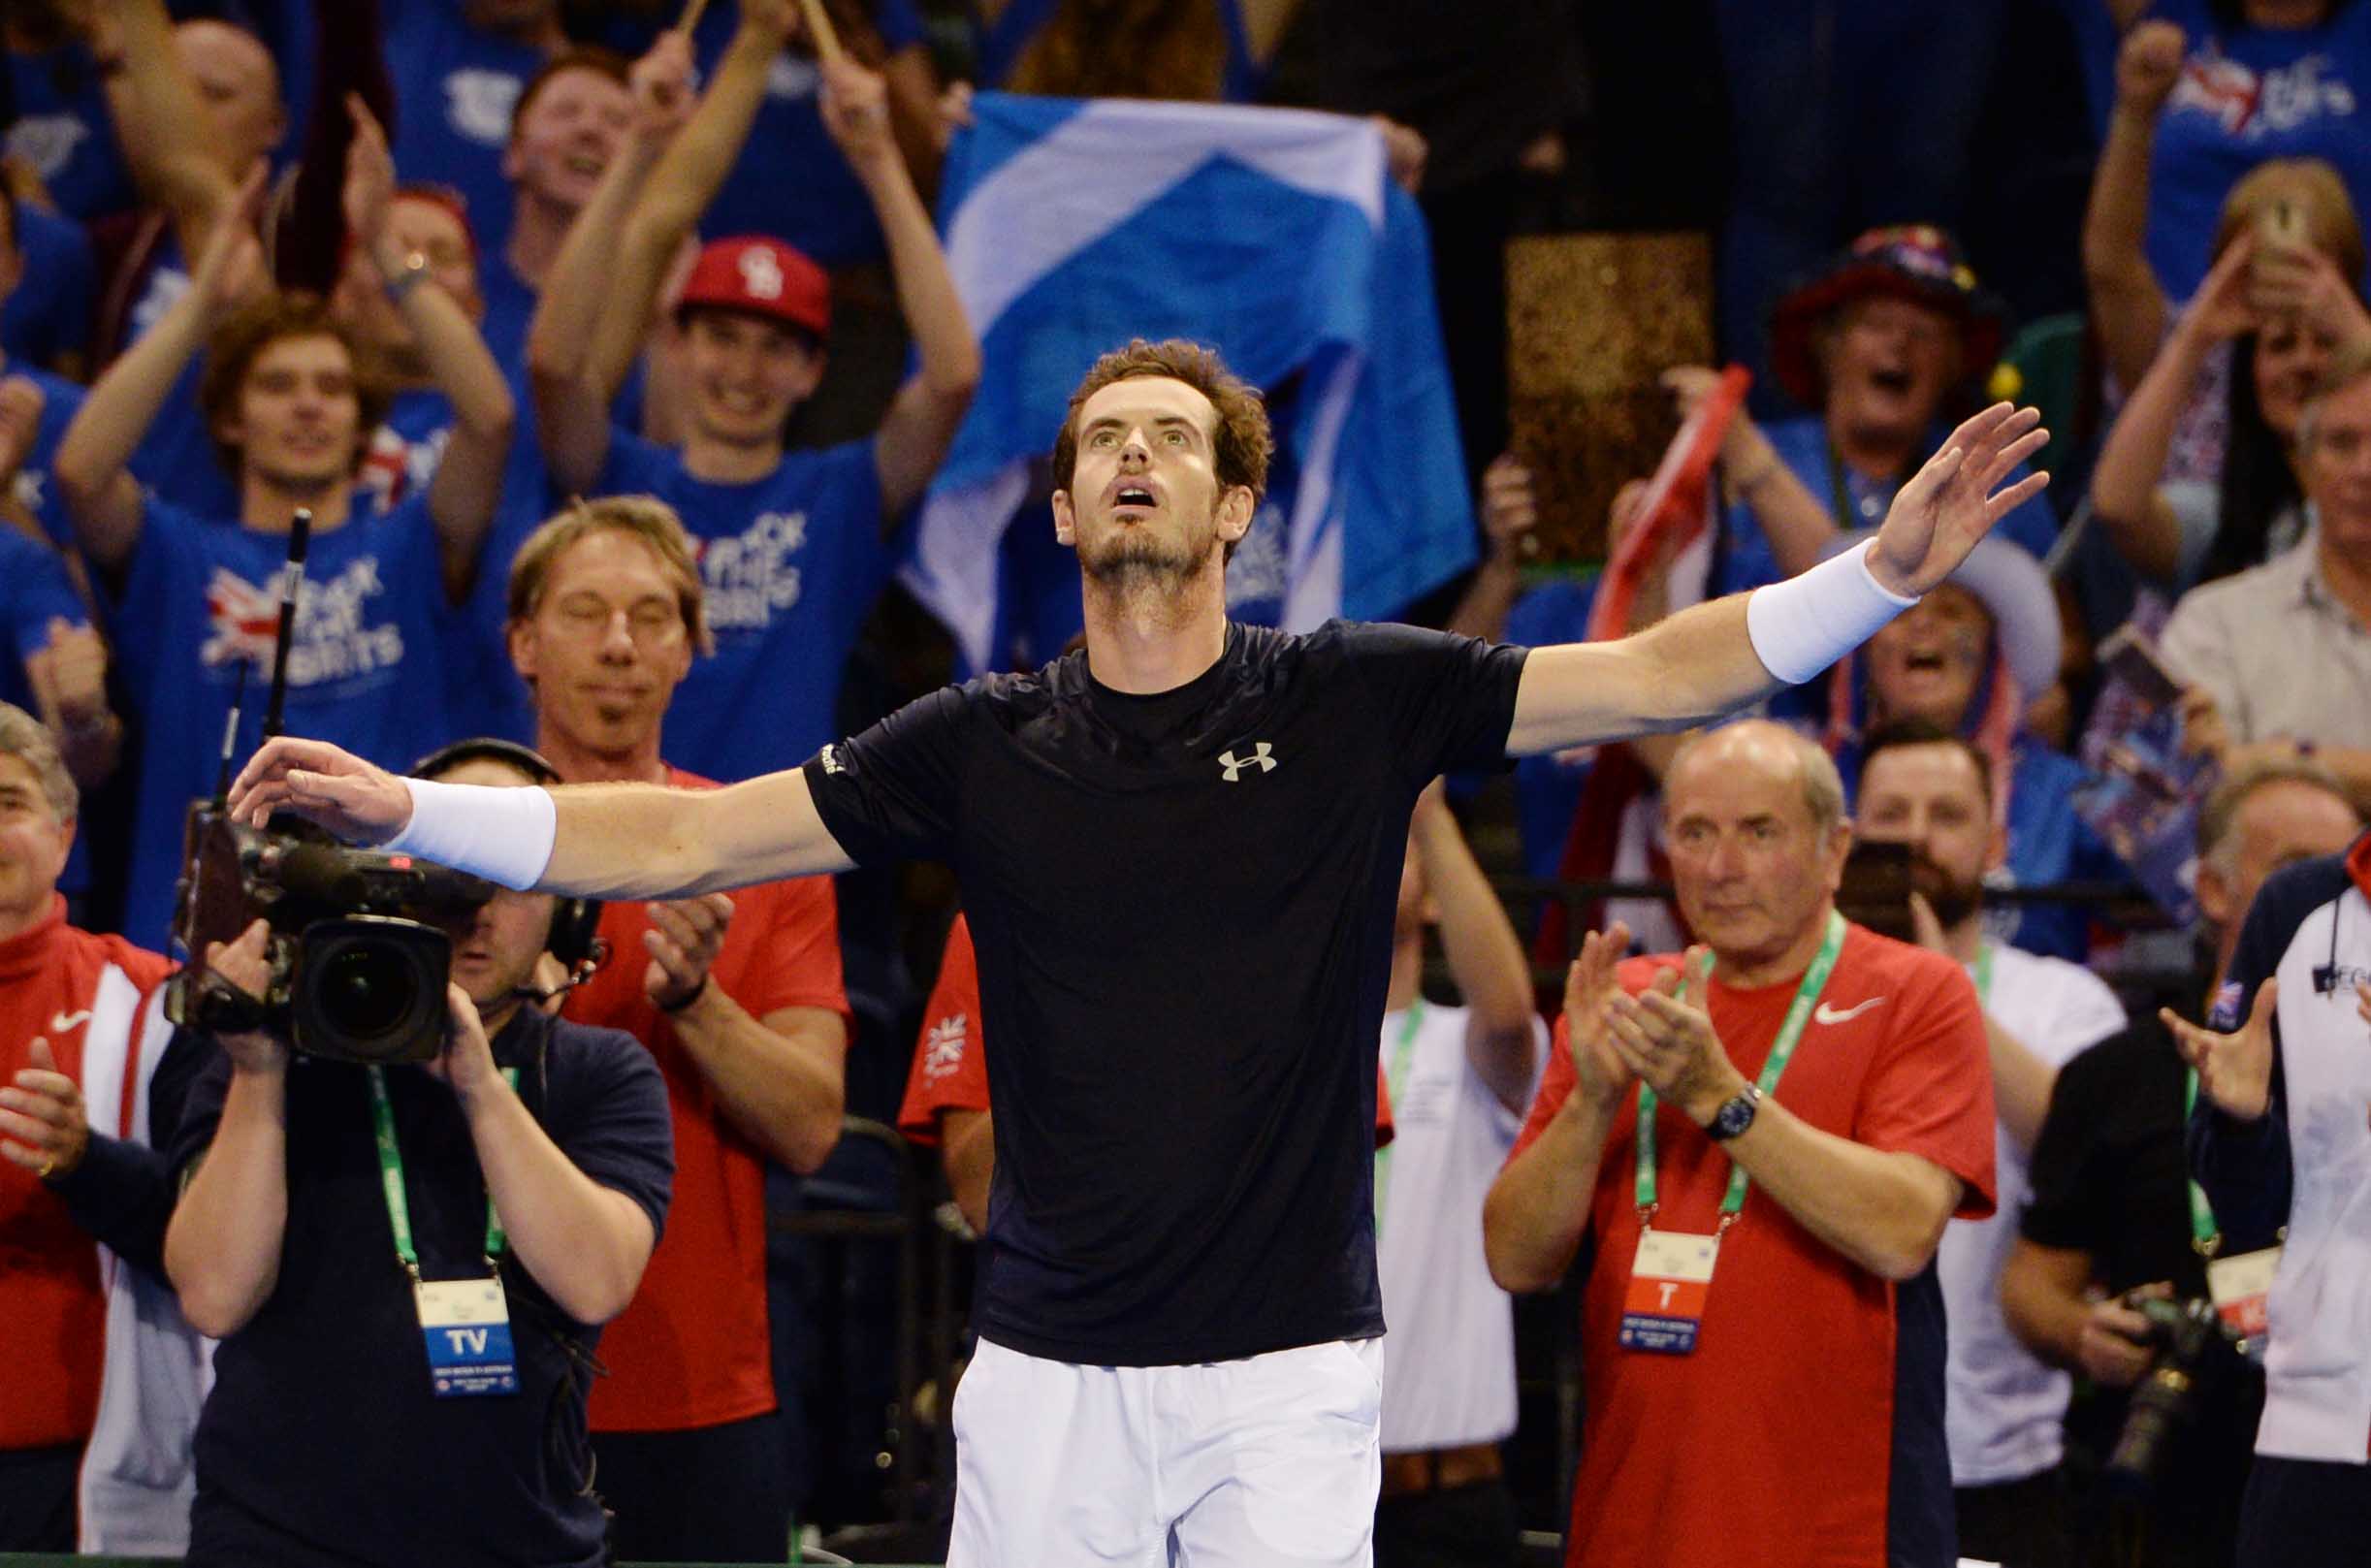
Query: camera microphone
x=292 y=580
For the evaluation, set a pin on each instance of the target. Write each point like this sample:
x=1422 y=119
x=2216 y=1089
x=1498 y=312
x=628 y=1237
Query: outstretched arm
x=468 y=482
x=589 y=319
x=2128 y=305
x=1501 y=1042
x=921 y=423
x=1714 y=657
x=93 y=459
x=596 y=841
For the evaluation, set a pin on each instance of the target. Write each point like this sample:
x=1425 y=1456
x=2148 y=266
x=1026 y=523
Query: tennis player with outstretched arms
x=1180 y=850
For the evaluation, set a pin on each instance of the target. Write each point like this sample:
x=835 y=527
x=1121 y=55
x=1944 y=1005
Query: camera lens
x=367 y=992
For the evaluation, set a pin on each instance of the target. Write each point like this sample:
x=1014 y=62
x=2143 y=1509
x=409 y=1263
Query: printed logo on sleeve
x=943 y=1047
x=478 y=104
x=47 y=141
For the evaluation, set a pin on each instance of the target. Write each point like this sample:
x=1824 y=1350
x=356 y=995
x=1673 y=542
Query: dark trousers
x=709 y=1495
x=2016 y=1523
x=2305 y=1514
x=37 y=1486
x=1456 y=1527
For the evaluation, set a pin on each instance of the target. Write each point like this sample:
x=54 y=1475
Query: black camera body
x=2182 y=1334
x=359 y=954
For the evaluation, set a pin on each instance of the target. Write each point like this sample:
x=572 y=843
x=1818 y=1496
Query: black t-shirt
x=1182 y=907
x=2110 y=1178
x=322 y=1442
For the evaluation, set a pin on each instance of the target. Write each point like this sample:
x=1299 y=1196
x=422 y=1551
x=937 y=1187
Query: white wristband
x=1804 y=625
x=503 y=834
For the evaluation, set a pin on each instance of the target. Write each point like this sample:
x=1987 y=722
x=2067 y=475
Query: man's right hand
x=325 y=785
x=2148 y=64
x=2234 y=1071
x=1590 y=986
x=246 y=967
x=2114 y=1346
x=230 y=268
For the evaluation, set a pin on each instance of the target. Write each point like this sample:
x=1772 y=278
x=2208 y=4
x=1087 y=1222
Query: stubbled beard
x=1136 y=559
x=1951 y=900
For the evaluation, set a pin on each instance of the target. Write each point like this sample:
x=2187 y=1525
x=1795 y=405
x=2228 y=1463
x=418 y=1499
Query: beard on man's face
x=1129 y=555
x=1952 y=899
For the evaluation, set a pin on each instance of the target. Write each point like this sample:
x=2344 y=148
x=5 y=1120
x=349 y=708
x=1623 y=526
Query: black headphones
x=574 y=920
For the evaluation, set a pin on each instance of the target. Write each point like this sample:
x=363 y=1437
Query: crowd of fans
x=607 y=354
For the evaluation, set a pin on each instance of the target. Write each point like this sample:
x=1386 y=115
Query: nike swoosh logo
x=1823 y=1014
x=60 y=1022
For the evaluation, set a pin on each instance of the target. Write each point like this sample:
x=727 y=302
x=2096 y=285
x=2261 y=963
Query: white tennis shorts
x=1272 y=1461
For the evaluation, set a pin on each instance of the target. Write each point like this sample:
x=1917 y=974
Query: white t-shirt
x=1449 y=1363
x=2003 y=1408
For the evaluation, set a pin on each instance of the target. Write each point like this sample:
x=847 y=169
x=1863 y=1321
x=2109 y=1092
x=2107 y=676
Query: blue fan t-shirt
x=201 y=601
x=34 y=590
x=63 y=132
x=34 y=489
x=2246 y=95
x=457 y=86
x=791 y=564
x=48 y=311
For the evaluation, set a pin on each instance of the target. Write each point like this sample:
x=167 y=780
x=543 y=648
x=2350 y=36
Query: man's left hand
x=46 y=1130
x=683 y=940
x=1671 y=1043
x=1951 y=502
x=855 y=107
x=466 y=1061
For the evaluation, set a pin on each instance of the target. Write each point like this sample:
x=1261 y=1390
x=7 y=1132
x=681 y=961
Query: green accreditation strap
x=391 y=1178
x=1395 y=1078
x=2205 y=1234
x=1814 y=981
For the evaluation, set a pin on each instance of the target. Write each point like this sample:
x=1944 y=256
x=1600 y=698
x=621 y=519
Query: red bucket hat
x=1914 y=262
x=764 y=276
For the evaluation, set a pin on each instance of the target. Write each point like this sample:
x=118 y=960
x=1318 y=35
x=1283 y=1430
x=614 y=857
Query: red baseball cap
x=761 y=276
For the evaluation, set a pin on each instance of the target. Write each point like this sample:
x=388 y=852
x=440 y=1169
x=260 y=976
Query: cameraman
x=2278 y=1143
x=326 y=1440
x=2112 y=1213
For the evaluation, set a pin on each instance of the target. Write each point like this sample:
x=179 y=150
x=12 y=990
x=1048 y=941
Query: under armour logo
x=760 y=273
x=1258 y=758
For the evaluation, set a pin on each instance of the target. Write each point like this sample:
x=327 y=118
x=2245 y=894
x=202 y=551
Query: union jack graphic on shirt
x=2249 y=104
x=332 y=640
x=240 y=620
x=942 y=1046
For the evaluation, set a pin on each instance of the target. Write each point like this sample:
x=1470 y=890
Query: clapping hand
x=1591 y=988
x=1671 y=1043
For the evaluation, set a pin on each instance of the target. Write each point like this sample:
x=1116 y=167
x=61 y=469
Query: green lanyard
x=1984 y=975
x=1395 y=1076
x=2205 y=1234
x=1814 y=981
x=391 y=1179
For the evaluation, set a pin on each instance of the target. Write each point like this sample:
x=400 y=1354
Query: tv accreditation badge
x=466 y=1323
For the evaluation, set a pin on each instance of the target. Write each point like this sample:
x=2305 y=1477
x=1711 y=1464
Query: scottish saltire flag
x=1272 y=235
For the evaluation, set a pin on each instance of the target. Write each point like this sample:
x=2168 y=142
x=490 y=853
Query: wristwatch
x=413 y=273
x=1735 y=1115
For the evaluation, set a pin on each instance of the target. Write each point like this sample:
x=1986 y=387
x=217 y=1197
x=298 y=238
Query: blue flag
x=1273 y=236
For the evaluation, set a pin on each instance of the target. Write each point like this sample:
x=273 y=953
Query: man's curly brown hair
x=1242 y=443
x=236 y=345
